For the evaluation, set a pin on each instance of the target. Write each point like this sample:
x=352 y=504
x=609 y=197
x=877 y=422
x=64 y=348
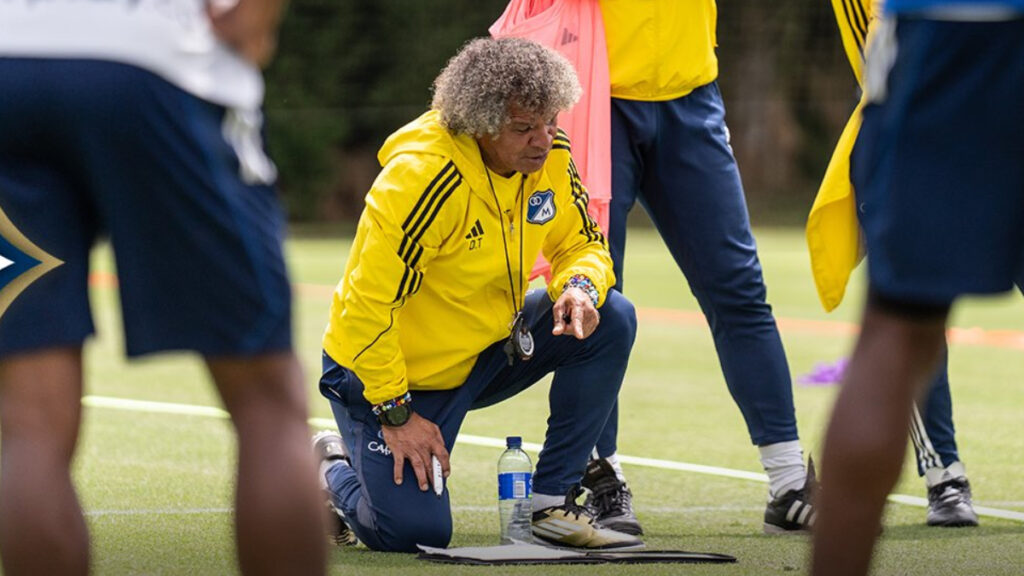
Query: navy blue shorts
x=939 y=164
x=92 y=149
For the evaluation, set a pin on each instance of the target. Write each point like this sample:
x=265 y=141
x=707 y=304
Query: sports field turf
x=155 y=482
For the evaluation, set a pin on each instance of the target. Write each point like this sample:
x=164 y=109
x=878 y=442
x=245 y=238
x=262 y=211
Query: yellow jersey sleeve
x=399 y=233
x=576 y=245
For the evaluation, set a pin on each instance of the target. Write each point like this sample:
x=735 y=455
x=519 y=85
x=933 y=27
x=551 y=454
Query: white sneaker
x=572 y=525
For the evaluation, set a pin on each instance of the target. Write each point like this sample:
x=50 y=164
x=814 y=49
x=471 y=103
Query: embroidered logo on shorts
x=21 y=262
x=540 y=209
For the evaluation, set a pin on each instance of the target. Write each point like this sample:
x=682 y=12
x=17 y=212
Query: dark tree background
x=351 y=71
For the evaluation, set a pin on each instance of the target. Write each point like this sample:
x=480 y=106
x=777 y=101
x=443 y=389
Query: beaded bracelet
x=583 y=283
x=393 y=403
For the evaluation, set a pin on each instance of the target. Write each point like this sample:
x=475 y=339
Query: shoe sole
x=339 y=533
x=563 y=546
x=624 y=528
x=955 y=524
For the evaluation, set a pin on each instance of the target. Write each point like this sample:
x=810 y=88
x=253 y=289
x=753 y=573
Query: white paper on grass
x=499 y=553
x=539 y=554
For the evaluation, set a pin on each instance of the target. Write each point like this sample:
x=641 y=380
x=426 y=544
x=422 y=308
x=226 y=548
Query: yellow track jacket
x=833 y=231
x=426 y=286
x=659 y=49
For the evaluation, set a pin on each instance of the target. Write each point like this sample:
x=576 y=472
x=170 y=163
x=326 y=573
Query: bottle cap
x=514 y=442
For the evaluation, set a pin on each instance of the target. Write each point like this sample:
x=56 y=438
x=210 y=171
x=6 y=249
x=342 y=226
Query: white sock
x=935 y=476
x=542 y=501
x=784 y=464
x=614 y=461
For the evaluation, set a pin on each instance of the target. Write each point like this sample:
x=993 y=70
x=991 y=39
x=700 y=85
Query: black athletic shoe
x=611 y=500
x=793 y=512
x=949 y=504
x=330 y=448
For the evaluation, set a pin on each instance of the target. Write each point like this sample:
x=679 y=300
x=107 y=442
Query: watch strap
x=389 y=411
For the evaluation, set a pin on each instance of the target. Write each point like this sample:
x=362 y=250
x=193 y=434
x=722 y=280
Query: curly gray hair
x=474 y=91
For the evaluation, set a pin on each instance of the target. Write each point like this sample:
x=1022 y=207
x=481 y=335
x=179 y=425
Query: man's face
x=522 y=145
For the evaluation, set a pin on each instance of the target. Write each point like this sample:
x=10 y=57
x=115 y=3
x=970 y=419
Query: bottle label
x=515 y=485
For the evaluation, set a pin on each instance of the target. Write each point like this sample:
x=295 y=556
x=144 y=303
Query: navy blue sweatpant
x=587 y=377
x=674 y=158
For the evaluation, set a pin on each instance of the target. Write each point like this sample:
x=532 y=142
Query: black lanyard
x=520 y=341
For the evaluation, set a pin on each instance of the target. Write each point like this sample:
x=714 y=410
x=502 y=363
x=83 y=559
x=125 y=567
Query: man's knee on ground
x=427 y=529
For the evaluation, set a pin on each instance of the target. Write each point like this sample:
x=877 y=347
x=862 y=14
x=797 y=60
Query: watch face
x=397 y=416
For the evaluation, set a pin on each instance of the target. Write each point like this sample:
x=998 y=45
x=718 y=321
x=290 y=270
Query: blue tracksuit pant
x=933 y=435
x=674 y=158
x=587 y=377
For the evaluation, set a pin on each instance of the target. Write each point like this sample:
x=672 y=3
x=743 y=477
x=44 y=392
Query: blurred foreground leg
x=278 y=502
x=42 y=530
x=866 y=440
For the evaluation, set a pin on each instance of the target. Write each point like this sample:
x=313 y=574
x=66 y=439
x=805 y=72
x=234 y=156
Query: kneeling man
x=432 y=318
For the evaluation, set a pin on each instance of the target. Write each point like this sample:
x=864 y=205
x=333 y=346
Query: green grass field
x=156 y=486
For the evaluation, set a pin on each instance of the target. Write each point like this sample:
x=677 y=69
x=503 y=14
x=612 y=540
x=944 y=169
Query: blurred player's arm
x=249 y=26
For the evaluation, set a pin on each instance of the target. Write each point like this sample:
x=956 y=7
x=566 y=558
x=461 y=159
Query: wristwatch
x=395 y=415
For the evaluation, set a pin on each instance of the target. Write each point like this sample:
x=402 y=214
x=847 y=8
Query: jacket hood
x=426 y=136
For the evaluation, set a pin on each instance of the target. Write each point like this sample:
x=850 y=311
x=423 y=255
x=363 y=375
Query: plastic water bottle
x=515 y=492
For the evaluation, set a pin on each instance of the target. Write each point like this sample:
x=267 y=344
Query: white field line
x=1003 y=503
x=167 y=408
x=152 y=407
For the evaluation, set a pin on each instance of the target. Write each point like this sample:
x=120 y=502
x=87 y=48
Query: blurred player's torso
x=659 y=49
x=171 y=38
